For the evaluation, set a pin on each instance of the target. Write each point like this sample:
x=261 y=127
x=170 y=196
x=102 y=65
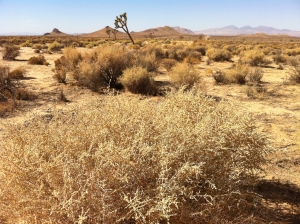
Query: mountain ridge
x=233 y=31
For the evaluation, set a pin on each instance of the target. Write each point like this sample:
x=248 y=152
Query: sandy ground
x=277 y=111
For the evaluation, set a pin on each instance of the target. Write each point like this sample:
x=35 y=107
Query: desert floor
x=276 y=109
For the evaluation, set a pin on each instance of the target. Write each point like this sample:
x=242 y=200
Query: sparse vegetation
x=10 y=52
x=177 y=161
x=295 y=70
x=38 y=60
x=238 y=74
x=218 y=54
x=55 y=46
x=18 y=73
x=184 y=75
x=255 y=58
x=187 y=155
x=138 y=80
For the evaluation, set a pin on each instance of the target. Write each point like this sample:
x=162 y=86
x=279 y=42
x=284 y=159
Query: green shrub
x=10 y=52
x=55 y=46
x=138 y=80
x=183 y=74
x=183 y=159
x=26 y=44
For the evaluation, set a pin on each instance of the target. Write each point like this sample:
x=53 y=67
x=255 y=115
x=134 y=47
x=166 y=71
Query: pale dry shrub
x=255 y=58
x=168 y=63
x=10 y=52
x=148 y=61
x=294 y=63
x=293 y=52
x=138 y=80
x=184 y=159
x=184 y=74
x=7 y=85
x=37 y=46
x=153 y=49
x=238 y=73
x=193 y=58
x=218 y=54
x=220 y=76
x=255 y=75
x=71 y=58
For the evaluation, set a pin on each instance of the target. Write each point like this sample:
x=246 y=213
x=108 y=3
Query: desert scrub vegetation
x=238 y=74
x=55 y=46
x=255 y=58
x=294 y=63
x=184 y=159
x=37 y=60
x=138 y=80
x=10 y=52
x=17 y=73
x=183 y=74
x=218 y=54
x=101 y=67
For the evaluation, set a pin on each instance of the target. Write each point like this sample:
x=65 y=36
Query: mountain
x=56 y=32
x=182 y=30
x=233 y=31
x=103 y=33
x=165 y=31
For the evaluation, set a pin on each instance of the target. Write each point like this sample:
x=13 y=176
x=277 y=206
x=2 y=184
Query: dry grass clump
x=220 y=76
x=295 y=69
x=218 y=54
x=138 y=80
x=27 y=43
x=255 y=58
x=168 y=63
x=10 y=52
x=148 y=61
x=184 y=159
x=7 y=86
x=55 y=46
x=255 y=75
x=279 y=58
x=238 y=74
x=17 y=73
x=184 y=74
x=193 y=58
x=38 y=60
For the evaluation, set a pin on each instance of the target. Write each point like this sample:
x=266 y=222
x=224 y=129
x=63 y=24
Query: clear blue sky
x=85 y=16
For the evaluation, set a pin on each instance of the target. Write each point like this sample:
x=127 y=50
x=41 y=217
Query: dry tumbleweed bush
x=183 y=159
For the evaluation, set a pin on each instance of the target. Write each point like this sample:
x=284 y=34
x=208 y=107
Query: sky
x=86 y=16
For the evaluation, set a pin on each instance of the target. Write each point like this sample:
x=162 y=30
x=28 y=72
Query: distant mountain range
x=233 y=31
x=183 y=30
x=167 y=31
